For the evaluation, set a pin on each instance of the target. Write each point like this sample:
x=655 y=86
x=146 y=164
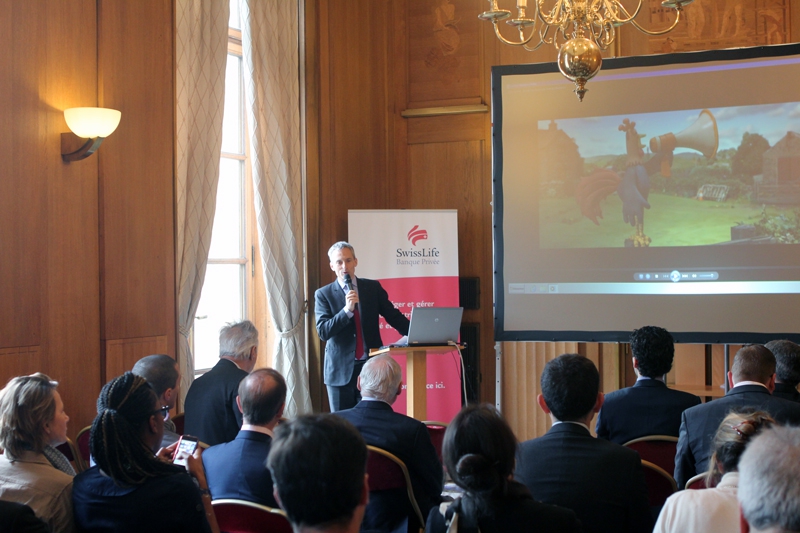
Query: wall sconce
x=89 y=125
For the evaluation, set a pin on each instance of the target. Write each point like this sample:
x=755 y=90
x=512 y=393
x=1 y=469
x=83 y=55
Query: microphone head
x=347 y=278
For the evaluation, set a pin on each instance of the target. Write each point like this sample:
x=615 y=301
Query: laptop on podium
x=433 y=326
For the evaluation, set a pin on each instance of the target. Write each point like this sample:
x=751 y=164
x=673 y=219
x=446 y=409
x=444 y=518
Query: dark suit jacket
x=787 y=392
x=339 y=330
x=601 y=481
x=211 y=411
x=409 y=440
x=699 y=425
x=237 y=469
x=647 y=408
x=19 y=518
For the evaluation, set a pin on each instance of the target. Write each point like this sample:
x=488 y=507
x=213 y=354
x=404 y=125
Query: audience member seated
x=479 y=452
x=132 y=490
x=163 y=374
x=769 y=482
x=787 y=369
x=19 y=518
x=211 y=413
x=319 y=466
x=32 y=471
x=380 y=382
x=601 y=481
x=752 y=378
x=649 y=407
x=715 y=510
x=238 y=469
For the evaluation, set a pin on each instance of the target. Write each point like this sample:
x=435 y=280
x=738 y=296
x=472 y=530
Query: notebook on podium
x=433 y=326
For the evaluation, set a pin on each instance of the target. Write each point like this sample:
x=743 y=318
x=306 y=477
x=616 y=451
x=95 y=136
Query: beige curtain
x=201 y=47
x=272 y=93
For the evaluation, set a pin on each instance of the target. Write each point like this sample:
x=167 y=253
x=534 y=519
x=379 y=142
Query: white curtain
x=270 y=48
x=201 y=51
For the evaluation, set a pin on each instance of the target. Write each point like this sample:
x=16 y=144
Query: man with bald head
x=380 y=382
x=237 y=469
x=752 y=380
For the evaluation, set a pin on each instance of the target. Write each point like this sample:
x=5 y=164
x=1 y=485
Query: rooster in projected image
x=633 y=185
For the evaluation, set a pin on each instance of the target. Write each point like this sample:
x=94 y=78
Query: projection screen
x=670 y=196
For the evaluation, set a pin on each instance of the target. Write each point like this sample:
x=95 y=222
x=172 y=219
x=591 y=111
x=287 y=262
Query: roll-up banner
x=414 y=254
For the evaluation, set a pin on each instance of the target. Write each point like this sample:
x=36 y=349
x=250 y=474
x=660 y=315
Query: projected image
x=679 y=178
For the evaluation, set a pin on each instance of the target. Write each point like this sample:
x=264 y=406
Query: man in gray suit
x=752 y=380
x=347 y=313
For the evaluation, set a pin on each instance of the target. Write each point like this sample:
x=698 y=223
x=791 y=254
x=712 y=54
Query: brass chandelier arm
x=660 y=32
x=522 y=42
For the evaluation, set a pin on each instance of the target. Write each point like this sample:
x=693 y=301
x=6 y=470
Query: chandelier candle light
x=581 y=29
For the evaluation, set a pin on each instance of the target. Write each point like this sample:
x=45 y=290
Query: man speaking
x=347 y=319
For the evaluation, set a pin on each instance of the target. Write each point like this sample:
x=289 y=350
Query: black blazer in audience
x=599 y=480
x=647 y=408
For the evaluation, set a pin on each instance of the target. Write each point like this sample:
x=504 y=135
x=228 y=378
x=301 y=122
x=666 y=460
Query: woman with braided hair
x=479 y=452
x=132 y=488
x=715 y=509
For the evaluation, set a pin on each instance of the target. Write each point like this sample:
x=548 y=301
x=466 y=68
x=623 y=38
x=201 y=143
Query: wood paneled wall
x=86 y=248
x=362 y=72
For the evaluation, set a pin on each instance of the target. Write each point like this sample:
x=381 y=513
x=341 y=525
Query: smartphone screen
x=186 y=447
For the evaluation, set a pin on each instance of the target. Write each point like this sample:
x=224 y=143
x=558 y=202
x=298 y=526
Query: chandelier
x=580 y=30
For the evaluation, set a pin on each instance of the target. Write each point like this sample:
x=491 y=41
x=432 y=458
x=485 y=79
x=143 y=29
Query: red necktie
x=359 y=334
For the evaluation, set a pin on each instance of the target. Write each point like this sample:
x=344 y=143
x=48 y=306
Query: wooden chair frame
x=409 y=488
x=252 y=505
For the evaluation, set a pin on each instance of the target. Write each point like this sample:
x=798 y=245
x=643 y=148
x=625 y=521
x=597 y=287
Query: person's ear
x=358 y=383
x=254 y=353
x=153 y=423
x=239 y=404
x=364 y=499
x=771 y=383
x=277 y=497
x=280 y=411
x=543 y=404
x=399 y=388
x=635 y=363
x=600 y=399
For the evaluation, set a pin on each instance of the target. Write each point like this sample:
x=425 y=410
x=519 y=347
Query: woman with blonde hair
x=32 y=471
x=715 y=509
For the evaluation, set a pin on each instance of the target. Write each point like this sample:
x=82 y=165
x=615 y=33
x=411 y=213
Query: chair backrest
x=70 y=451
x=239 y=516
x=660 y=484
x=179 y=421
x=82 y=443
x=698 y=482
x=436 y=431
x=386 y=471
x=658 y=449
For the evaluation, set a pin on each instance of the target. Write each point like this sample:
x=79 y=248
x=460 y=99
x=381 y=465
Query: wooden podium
x=416 y=374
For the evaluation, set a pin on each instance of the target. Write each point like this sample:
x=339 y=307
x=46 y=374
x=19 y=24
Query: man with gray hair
x=787 y=370
x=380 y=382
x=212 y=414
x=162 y=373
x=347 y=312
x=769 y=482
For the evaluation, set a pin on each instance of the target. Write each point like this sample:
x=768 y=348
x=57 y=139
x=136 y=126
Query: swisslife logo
x=417 y=256
x=416 y=234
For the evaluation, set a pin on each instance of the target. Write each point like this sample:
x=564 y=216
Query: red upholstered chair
x=660 y=484
x=239 y=516
x=70 y=451
x=82 y=443
x=387 y=472
x=436 y=431
x=698 y=482
x=178 y=420
x=658 y=449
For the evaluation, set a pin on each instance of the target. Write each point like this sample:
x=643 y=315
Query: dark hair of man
x=125 y=405
x=753 y=363
x=570 y=384
x=787 y=359
x=262 y=393
x=479 y=449
x=734 y=434
x=318 y=463
x=160 y=371
x=654 y=349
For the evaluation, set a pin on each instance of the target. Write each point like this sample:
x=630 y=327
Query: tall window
x=228 y=289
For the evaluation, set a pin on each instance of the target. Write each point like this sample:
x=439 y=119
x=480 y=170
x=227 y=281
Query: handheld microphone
x=348 y=282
